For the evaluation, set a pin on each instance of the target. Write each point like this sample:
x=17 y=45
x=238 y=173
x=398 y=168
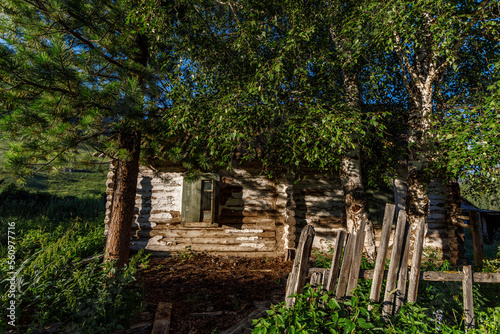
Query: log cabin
x=243 y=213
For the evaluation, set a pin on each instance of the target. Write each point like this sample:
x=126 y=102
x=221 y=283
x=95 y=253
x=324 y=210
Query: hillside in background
x=85 y=177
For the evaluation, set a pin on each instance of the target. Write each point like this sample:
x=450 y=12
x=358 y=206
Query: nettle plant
x=319 y=312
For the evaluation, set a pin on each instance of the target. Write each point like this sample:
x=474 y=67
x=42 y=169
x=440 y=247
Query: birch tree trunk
x=350 y=167
x=350 y=176
x=123 y=203
x=417 y=199
x=422 y=73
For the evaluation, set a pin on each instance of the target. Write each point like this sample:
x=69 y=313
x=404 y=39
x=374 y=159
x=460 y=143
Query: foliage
x=55 y=285
x=187 y=254
x=315 y=312
x=323 y=259
x=488 y=321
x=55 y=281
x=269 y=78
x=488 y=200
x=439 y=308
x=491 y=265
x=18 y=202
x=75 y=75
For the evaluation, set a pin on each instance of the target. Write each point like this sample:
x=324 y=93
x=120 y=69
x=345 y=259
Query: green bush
x=17 y=203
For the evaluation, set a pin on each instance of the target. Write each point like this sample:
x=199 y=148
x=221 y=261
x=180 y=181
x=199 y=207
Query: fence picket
x=337 y=256
x=356 y=259
x=382 y=252
x=390 y=286
x=345 y=267
x=297 y=278
x=468 y=298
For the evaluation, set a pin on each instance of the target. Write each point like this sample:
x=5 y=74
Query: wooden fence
x=343 y=275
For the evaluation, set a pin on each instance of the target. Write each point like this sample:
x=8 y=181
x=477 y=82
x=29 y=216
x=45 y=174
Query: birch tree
x=427 y=37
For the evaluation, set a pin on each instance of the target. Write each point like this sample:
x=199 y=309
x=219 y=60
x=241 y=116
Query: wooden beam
x=162 y=318
x=297 y=278
x=433 y=276
x=382 y=252
x=468 y=298
x=477 y=238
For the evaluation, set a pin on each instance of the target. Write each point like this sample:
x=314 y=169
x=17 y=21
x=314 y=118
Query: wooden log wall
x=257 y=217
x=319 y=201
x=439 y=237
x=247 y=216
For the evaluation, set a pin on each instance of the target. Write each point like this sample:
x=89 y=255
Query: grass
x=72 y=180
x=490 y=250
x=57 y=219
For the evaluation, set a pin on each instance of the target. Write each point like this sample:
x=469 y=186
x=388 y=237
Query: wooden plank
x=403 y=271
x=468 y=298
x=162 y=318
x=335 y=267
x=229 y=240
x=324 y=280
x=205 y=233
x=394 y=265
x=297 y=277
x=390 y=209
x=345 y=267
x=438 y=276
x=487 y=277
x=416 y=262
x=242 y=247
x=477 y=238
x=356 y=259
x=316 y=279
x=240 y=226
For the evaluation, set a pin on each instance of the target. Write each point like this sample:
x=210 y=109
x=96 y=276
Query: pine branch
x=77 y=35
x=44 y=165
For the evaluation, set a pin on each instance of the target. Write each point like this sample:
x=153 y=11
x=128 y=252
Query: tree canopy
x=198 y=82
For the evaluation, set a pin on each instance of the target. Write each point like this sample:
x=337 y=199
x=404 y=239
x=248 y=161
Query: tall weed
x=53 y=285
x=316 y=312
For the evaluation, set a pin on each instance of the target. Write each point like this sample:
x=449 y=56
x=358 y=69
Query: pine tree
x=76 y=73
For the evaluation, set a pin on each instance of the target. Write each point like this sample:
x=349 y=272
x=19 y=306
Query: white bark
x=351 y=179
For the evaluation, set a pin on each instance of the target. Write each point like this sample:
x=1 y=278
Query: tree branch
x=69 y=147
x=78 y=35
x=404 y=61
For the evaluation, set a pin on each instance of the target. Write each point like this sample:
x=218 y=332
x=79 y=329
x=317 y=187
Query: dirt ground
x=212 y=293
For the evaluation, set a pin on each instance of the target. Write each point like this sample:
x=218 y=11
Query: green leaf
x=364 y=324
